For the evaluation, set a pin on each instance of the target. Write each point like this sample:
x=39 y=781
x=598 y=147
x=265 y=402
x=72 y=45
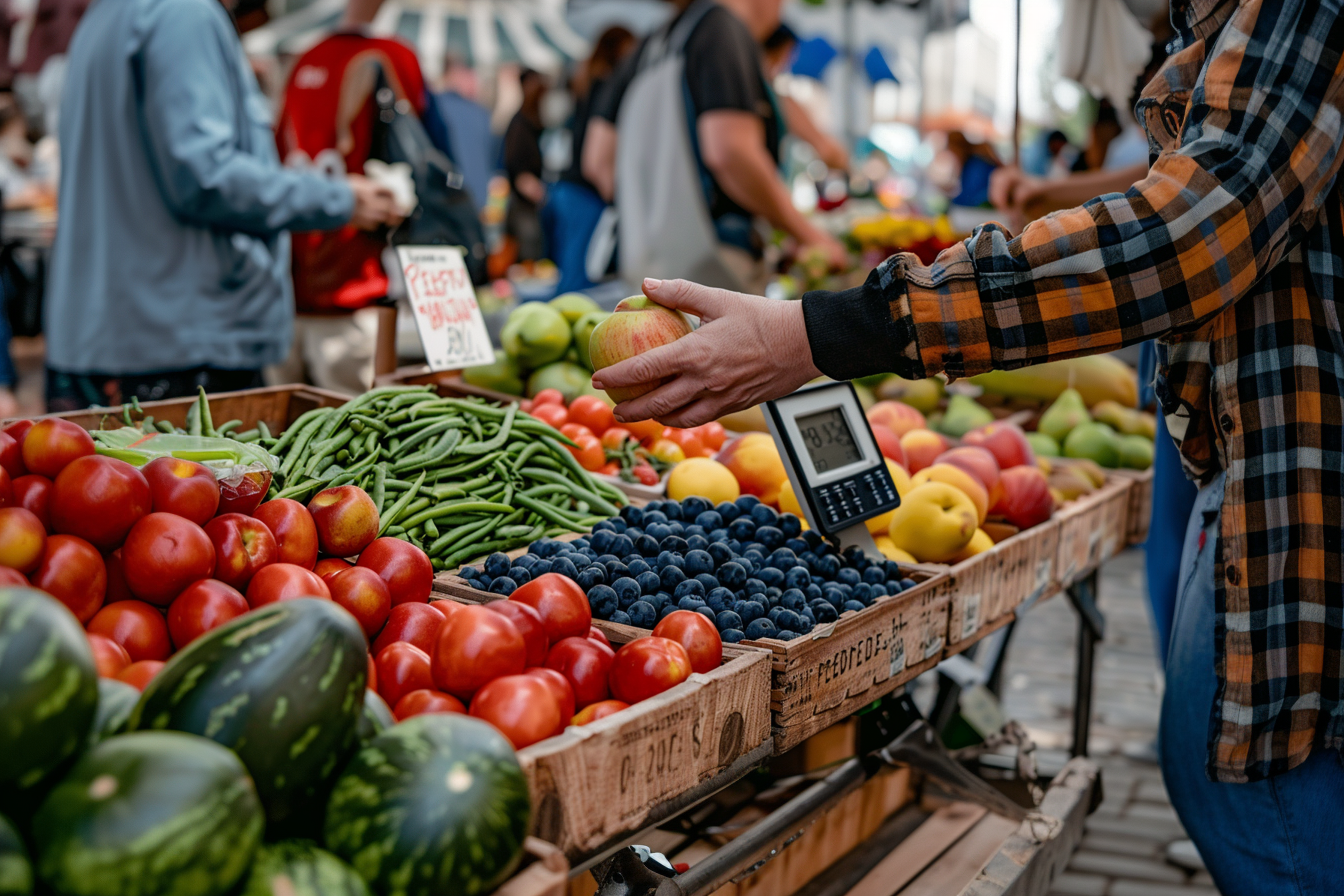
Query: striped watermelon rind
x=435 y=805
x=148 y=813
x=16 y=872
x=300 y=868
x=116 y=700
x=376 y=718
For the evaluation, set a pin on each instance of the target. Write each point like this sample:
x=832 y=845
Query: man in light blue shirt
x=171 y=262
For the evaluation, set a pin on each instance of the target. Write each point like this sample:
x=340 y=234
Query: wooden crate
x=989 y=587
x=1140 y=504
x=1092 y=529
x=278 y=406
x=545 y=872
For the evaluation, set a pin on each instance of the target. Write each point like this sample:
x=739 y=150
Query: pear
x=1136 y=452
x=1066 y=412
x=1042 y=444
x=1071 y=482
x=964 y=414
x=583 y=332
x=535 y=334
x=1094 y=441
x=502 y=376
x=1145 y=425
x=573 y=305
x=922 y=395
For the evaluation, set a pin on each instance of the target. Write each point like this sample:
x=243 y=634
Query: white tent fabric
x=1103 y=47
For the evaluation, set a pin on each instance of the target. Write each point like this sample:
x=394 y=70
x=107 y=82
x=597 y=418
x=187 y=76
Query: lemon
x=704 y=477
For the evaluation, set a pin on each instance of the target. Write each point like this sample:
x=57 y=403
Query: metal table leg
x=1091 y=629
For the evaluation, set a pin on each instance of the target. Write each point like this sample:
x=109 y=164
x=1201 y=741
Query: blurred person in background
x=978 y=162
x=524 y=166
x=326 y=125
x=170 y=268
x=779 y=48
x=575 y=203
x=39 y=77
x=470 y=144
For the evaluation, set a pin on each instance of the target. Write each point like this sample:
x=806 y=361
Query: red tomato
x=590 y=453
x=711 y=434
x=596 y=634
x=561 y=689
x=364 y=595
x=346 y=520
x=163 y=554
x=22 y=539
x=528 y=622
x=610 y=468
x=688 y=441
x=525 y=405
x=203 y=606
x=646 y=474
x=615 y=437
x=284 y=581
x=446 y=608
x=553 y=415
x=548 y=396
x=109 y=657
x=73 y=572
x=403 y=567
x=183 y=487
x=371 y=681
x=11 y=456
x=33 y=492
x=117 y=589
x=697 y=635
x=6 y=489
x=243 y=545
x=402 y=668
x=572 y=430
x=561 y=602
x=242 y=493
x=417 y=623
x=99 y=499
x=422 y=701
x=646 y=431
x=599 y=710
x=586 y=666
x=10 y=576
x=523 y=708
x=52 y=443
x=294 y=531
x=18 y=429
x=646 y=667
x=476 y=646
x=592 y=412
x=140 y=673
x=136 y=626
x=329 y=566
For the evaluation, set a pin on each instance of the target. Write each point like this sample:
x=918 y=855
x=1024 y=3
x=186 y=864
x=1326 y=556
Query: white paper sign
x=444 y=303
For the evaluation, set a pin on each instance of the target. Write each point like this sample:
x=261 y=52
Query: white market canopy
x=481 y=33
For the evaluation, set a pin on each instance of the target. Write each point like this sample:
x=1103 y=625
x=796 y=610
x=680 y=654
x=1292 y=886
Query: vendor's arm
x=801 y=125
x=190 y=117
x=599 y=157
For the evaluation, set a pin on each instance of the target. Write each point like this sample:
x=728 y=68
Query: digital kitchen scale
x=833 y=461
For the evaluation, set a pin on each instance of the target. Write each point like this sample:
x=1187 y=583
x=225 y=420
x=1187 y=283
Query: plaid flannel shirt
x=1231 y=253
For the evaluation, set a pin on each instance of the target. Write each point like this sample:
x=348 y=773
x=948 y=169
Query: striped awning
x=481 y=33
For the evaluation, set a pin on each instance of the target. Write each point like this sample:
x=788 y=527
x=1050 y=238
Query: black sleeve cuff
x=860 y=332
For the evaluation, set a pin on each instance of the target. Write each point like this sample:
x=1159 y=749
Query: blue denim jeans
x=1279 y=837
x=1173 y=496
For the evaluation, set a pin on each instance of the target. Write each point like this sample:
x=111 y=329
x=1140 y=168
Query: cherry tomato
x=592 y=412
x=99 y=499
x=294 y=531
x=371 y=680
x=329 y=566
x=163 y=554
x=183 y=487
x=422 y=701
x=548 y=396
x=402 y=566
x=284 y=581
x=523 y=708
x=712 y=434
x=576 y=431
x=204 y=605
x=364 y=594
x=136 y=626
x=646 y=667
x=697 y=635
x=22 y=539
x=585 y=664
x=140 y=673
x=529 y=626
x=596 y=634
x=73 y=572
x=667 y=451
x=560 y=687
x=647 y=431
x=109 y=657
x=561 y=602
x=589 y=454
x=10 y=576
x=33 y=493
x=475 y=647
x=11 y=456
x=616 y=437
x=690 y=443
x=417 y=623
x=401 y=668
x=646 y=474
x=610 y=468
x=52 y=443
x=525 y=405
x=599 y=710
x=553 y=415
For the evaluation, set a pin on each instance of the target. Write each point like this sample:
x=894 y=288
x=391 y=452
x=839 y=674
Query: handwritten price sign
x=444 y=303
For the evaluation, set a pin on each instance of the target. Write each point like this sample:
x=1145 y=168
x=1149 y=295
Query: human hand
x=828 y=247
x=531 y=188
x=747 y=350
x=1003 y=182
x=375 y=205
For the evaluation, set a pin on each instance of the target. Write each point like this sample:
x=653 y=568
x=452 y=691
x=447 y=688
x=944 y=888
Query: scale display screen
x=829 y=440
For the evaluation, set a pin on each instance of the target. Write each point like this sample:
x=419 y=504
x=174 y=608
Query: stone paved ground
x=1122 y=853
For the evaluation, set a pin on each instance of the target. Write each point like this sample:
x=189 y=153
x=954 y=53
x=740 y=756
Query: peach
x=889 y=444
x=637 y=325
x=977 y=461
x=896 y=416
x=243 y=545
x=921 y=446
x=346 y=520
x=754 y=460
x=959 y=479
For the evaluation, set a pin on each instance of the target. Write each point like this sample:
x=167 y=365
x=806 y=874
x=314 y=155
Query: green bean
x=207 y=423
x=526 y=454
x=194 y=419
x=498 y=439
x=443 y=492
x=474 y=424
x=301 y=488
x=379 y=486
x=456 y=507
x=431 y=530
x=166 y=426
x=326 y=449
x=264 y=430
x=300 y=444
x=126 y=415
x=400 y=505
x=228 y=427
x=248 y=437
x=295 y=429
x=424 y=435
x=147 y=424
x=547 y=512
x=580 y=474
x=577 y=491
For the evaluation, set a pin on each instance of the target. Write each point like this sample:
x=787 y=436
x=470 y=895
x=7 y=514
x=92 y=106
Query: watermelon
x=282 y=686
x=116 y=699
x=299 y=868
x=16 y=872
x=48 y=688
x=434 y=805
x=146 y=813
x=376 y=718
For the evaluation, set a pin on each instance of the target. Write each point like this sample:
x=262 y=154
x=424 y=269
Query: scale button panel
x=842 y=501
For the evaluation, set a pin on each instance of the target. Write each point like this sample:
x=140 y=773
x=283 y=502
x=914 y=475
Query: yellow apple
x=891 y=552
x=934 y=522
x=958 y=478
x=979 y=543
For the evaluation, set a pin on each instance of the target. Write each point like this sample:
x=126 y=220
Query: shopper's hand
x=748 y=349
x=375 y=205
x=829 y=248
x=531 y=188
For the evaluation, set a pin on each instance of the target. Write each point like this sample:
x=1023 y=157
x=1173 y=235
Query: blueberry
x=824 y=611
x=603 y=601
x=539 y=567
x=577 y=560
x=773 y=614
x=710 y=519
x=691 y=587
x=810 y=617
x=813 y=539
x=734 y=545
x=851 y=605
x=694 y=531
x=622 y=545
x=708 y=581
x=503 y=585
x=894 y=586
x=731 y=635
x=732 y=575
x=742 y=528
x=878 y=590
x=602 y=540
x=527 y=561
x=697 y=543
x=782 y=558
x=756 y=557
x=797 y=545
x=627 y=590
x=689 y=603
x=855 y=557
x=647 y=545
x=874 y=575
x=674 y=543
x=787 y=636
x=659 y=600
x=633 y=532
x=621 y=617
x=616 y=570
x=769 y=536
x=565 y=567
x=657 y=531
x=797 y=577
x=694 y=506
x=671 y=577
x=827 y=567
x=666 y=611
x=790 y=621
x=673 y=510
x=750 y=610
x=719 y=599
x=649 y=583
x=706 y=612
x=642 y=614
x=728 y=511
x=835 y=595
x=812 y=591
x=772 y=577
x=760 y=628
x=497 y=565
x=772 y=594
x=754 y=586
x=746 y=502
x=668 y=558
x=718 y=535
x=580 y=544
x=793 y=599
x=862 y=592
x=727 y=619
x=790 y=525
x=719 y=552
x=907 y=583
x=848 y=576
x=764 y=515
x=632 y=514
x=540 y=548
x=593 y=575
x=652 y=516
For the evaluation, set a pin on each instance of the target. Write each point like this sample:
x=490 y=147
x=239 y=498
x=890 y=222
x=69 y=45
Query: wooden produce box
x=1140 y=504
x=545 y=872
x=989 y=587
x=594 y=783
x=1092 y=529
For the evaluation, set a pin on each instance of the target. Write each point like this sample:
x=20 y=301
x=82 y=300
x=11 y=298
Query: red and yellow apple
x=896 y=416
x=889 y=444
x=243 y=545
x=183 y=487
x=1006 y=441
x=977 y=461
x=921 y=447
x=958 y=479
x=754 y=460
x=1026 y=499
x=346 y=520
x=934 y=522
x=637 y=325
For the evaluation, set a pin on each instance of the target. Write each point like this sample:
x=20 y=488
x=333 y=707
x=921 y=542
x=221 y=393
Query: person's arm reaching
x=1168 y=255
x=804 y=128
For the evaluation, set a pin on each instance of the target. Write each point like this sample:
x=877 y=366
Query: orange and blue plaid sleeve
x=1258 y=152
